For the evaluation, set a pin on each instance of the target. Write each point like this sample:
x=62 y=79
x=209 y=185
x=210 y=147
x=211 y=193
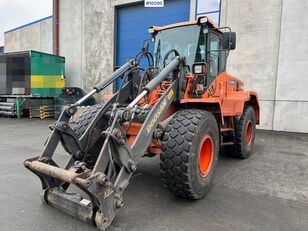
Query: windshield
x=183 y=39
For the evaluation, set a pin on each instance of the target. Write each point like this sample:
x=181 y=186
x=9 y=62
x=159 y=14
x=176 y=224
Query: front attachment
x=102 y=160
x=97 y=208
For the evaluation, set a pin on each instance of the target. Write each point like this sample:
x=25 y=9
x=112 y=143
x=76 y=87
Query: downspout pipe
x=56 y=27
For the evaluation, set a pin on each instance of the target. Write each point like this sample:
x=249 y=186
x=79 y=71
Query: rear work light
x=199 y=68
x=203 y=20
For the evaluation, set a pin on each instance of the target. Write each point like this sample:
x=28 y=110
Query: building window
x=210 y=8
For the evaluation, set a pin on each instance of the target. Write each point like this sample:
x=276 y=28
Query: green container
x=47 y=64
x=47 y=74
x=32 y=73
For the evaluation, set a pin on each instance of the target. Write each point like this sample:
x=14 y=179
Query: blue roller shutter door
x=133 y=22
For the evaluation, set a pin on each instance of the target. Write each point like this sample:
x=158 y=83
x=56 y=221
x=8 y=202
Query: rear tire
x=189 y=155
x=244 y=129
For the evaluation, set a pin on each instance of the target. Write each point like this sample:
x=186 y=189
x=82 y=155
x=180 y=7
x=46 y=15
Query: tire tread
x=174 y=165
x=237 y=148
x=85 y=119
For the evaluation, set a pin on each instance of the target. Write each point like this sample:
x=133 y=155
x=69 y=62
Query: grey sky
x=15 y=13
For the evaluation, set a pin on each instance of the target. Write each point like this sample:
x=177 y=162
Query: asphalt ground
x=268 y=191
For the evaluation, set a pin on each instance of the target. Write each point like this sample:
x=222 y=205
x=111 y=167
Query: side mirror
x=229 y=41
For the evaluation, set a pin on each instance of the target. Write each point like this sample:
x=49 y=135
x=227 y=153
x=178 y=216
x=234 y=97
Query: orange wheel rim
x=206 y=155
x=249 y=132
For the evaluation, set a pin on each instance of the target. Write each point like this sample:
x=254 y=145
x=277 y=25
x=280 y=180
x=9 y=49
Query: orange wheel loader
x=181 y=105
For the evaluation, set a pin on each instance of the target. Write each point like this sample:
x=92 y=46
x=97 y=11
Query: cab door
x=217 y=65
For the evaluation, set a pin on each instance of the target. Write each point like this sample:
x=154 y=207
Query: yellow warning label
x=170 y=94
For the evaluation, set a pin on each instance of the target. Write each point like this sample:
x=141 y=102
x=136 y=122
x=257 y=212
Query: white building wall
x=271 y=57
x=70 y=36
x=12 y=41
x=86 y=40
x=36 y=36
x=291 y=98
x=257 y=24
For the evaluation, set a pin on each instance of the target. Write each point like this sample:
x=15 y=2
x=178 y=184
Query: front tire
x=189 y=155
x=85 y=120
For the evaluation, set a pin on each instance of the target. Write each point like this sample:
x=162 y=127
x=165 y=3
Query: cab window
x=201 y=49
x=214 y=55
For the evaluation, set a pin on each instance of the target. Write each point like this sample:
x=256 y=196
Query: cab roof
x=207 y=20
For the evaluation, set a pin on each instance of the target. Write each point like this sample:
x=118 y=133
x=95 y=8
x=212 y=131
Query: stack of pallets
x=42 y=112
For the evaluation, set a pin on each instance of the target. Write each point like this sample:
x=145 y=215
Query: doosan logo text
x=154 y=3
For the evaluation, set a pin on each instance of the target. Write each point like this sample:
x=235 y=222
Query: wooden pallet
x=42 y=112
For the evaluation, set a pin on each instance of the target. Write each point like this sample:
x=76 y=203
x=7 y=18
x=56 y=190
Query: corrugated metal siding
x=47 y=74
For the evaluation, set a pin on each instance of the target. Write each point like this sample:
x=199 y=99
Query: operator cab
x=204 y=46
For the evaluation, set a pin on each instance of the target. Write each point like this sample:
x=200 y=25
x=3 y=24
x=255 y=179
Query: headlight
x=199 y=68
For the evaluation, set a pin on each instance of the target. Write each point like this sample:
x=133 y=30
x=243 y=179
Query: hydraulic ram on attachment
x=108 y=80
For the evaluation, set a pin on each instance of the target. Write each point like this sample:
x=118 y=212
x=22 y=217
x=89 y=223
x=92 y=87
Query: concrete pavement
x=269 y=191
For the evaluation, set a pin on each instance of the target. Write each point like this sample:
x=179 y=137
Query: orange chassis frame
x=225 y=98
